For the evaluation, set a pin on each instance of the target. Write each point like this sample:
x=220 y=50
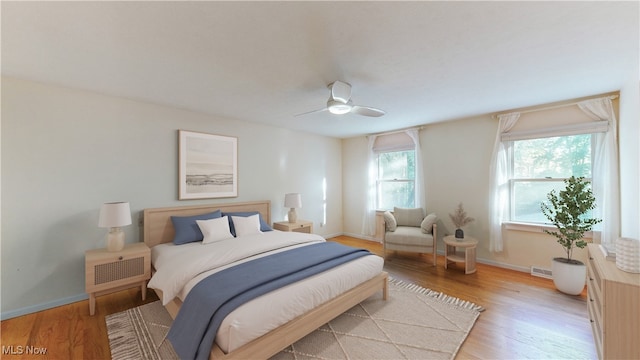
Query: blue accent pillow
x=263 y=224
x=187 y=230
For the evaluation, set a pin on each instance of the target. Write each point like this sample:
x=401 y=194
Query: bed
x=158 y=229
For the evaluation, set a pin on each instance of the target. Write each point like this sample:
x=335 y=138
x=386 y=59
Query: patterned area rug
x=414 y=323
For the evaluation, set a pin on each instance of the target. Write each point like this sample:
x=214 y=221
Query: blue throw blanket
x=212 y=299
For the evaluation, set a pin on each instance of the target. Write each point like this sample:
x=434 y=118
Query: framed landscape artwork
x=208 y=165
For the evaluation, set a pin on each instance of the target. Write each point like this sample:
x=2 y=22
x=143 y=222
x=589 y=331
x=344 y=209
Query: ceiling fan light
x=338 y=108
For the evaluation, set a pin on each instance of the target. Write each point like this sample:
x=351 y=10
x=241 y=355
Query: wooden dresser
x=614 y=307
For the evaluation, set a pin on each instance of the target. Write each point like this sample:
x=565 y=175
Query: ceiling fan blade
x=341 y=91
x=340 y=102
x=311 y=112
x=367 y=111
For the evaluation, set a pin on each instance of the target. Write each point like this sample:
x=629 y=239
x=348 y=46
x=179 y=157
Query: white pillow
x=246 y=225
x=389 y=221
x=215 y=229
x=427 y=223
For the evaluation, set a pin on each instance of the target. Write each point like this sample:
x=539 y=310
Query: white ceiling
x=421 y=62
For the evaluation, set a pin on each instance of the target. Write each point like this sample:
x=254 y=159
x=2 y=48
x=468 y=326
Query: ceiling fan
x=340 y=103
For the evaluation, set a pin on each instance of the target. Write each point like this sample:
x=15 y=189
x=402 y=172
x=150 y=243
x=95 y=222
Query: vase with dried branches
x=460 y=219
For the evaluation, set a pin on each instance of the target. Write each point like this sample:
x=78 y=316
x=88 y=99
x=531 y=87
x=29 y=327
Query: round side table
x=468 y=257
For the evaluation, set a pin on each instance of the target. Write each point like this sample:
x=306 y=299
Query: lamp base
x=293 y=217
x=115 y=239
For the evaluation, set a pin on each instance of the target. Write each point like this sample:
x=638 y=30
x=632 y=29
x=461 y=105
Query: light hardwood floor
x=525 y=317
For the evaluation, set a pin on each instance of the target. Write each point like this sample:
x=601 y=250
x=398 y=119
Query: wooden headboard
x=158 y=227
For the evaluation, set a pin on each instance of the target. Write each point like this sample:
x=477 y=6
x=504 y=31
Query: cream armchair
x=409 y=230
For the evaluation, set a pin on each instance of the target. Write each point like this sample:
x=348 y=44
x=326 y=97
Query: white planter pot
x=569 y=278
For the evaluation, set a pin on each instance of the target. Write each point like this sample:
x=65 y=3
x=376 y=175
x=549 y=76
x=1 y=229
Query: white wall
x=630 y=159
x=457 y=157
x=65 y=152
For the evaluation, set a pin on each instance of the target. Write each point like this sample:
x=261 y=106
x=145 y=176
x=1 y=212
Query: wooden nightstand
x=298 y=226
x=107 y=272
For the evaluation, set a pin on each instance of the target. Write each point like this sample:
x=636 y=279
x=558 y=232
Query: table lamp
x=293 y=201
x=113 y=216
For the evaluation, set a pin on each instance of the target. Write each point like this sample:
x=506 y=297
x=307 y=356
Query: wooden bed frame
x=158 y=229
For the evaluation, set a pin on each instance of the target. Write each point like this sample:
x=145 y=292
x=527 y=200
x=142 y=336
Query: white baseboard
x=505 y=266
x=329 y=236
x=360 y=236
x=497 y=264
x=441 y=252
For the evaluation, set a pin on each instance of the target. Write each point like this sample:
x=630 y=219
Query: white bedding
x=176 y=265
x=269 y=311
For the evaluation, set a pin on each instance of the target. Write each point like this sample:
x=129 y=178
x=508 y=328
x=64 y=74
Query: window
x=536 y=149
x=396 y=179
x=394 y=174
x=540 y=165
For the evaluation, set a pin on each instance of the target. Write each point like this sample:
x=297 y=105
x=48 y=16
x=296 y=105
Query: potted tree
x=567 y=210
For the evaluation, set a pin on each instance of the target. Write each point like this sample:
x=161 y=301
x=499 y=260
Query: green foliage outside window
x=396 y=179
x=554 y=157
x=542 y=165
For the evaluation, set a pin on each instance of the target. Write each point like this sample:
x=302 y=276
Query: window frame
x=516 y=224
x=380 y=181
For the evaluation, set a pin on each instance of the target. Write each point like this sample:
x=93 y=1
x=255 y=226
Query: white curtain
x=369 y=218
x=605 y=182
x=500 y=172
x=419 y=181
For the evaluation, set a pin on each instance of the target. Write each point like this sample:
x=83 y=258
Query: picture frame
x=208 y=165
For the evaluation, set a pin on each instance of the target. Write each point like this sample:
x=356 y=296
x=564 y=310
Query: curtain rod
x=396 y=131
x=551 y=107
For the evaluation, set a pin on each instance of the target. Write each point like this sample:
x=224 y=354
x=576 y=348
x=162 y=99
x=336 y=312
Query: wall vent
x=541 y=272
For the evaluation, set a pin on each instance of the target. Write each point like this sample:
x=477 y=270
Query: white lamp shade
x=115 y=214
x=293 y=200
